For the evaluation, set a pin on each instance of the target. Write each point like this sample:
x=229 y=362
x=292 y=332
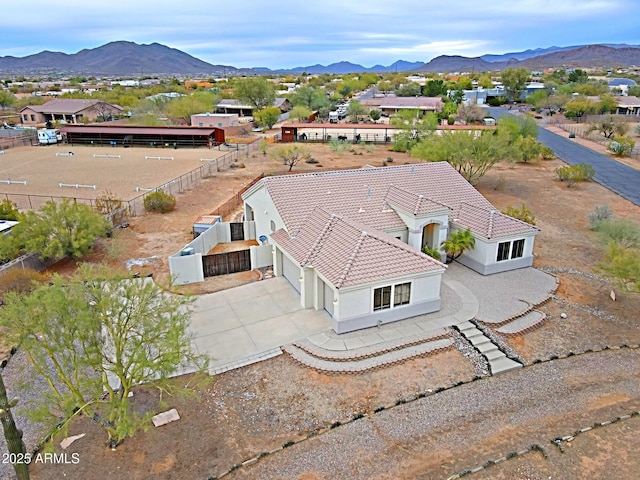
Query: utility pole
x=13 y=436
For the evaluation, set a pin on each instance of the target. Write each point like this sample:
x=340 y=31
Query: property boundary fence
x=236 y=200
x=30 y=261
x=135 y=206
x=28 y=137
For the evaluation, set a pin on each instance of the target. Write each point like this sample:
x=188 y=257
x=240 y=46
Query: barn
x=129 y=136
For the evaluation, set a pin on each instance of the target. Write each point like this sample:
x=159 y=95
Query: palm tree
x=458 y=242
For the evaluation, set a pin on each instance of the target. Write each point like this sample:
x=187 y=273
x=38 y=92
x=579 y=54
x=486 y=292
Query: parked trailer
x=49 y=136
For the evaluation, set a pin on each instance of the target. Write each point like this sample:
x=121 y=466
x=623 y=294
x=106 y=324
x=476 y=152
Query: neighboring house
x=219 y=120
x=621 y=85
x=68 y=110
x=391 y=105
x=245 y=110
x=350 y=241
x=628 y=105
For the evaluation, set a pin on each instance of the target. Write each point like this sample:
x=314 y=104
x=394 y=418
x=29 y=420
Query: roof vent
x=361 y=210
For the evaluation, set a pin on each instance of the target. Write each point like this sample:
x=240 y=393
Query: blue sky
x=254 y=33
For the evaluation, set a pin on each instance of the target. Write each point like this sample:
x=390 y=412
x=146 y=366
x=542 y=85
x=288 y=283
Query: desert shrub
x=575 y=173
x=623 y=264
x=337 y=146
x=523 y=214
x=311 y=160
x=451 y=120
x=496 y=101
x=599 y=214
x=621 y=146
x=20 y=280
x=547 y=153
x=638 y=129
x=159 y=201
x=389 y=160
x=370 y=147
x=501 y=182
x=623 y=232
x=112 y=207
x=8 y=210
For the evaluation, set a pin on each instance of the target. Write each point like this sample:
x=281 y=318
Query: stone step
x=478 y=340
x=486 y=347
x=466 y=326
x=362 y=365
x=494 y=354
x=502 y=365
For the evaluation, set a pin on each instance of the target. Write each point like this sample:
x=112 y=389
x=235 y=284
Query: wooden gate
x=237 y=231
x=225 y=263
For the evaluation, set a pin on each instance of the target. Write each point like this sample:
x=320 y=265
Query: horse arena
x=32 y=175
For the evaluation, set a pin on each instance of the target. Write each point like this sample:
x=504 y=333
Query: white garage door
x=291 y=272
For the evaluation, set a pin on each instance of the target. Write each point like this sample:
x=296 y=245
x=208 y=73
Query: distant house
x=628 y=105
x=245 y=110
x=219 y=120
x=391 y=105
x=350 y=242
x=66 y=110
x=621 y=85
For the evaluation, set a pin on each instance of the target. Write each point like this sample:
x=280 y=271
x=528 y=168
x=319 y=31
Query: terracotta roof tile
x=490 y=223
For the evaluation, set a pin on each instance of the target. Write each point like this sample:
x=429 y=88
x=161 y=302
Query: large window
x=382 y=298
x=401 y=294
x=510 y=250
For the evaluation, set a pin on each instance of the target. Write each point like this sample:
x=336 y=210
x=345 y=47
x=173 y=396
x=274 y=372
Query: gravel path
x=485 y=420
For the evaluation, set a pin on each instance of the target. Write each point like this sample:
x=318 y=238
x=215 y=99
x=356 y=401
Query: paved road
x=443 y=434
x=617 y=177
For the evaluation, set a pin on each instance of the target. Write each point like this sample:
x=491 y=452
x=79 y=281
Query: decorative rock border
x=369 y=351
x=423 y=394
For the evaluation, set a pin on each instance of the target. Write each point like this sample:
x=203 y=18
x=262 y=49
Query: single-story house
x=628 y=105
x=350 y=242
x=244 y=110
x=390 y=105
x=68 y=110
x=219 y=120
x=621 y=85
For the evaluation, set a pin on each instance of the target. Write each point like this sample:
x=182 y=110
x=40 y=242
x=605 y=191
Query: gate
x=237 y=231
x=225 y=263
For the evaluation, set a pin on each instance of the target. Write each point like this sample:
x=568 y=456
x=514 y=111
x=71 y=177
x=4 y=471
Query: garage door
x=291 y=272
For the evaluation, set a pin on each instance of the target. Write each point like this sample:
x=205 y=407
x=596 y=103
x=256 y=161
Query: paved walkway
x=250 y=323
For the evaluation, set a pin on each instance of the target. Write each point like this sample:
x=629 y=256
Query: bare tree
x=291 y=155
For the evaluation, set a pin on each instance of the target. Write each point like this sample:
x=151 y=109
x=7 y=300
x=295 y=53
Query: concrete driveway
x=241 y=325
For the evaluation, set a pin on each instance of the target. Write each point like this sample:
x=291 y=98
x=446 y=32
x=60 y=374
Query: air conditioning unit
x=186 y=251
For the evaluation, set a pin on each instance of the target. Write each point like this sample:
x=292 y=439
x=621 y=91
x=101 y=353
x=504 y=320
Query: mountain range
x=123 y=58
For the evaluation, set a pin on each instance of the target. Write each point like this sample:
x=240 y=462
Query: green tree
x=457 y=243
x=385 y=86
x=607 y=104
x=609 y=126
x=456 y=95
x=9 y=210
x=12 y=434
x=471 y=153
x=434 y=88
x=181 y=108
x=485 y=81
x=256 y=91
x=518 y=127
x=300 y=113
x=290 y=155
x=356 y=110
x=579 y=106
x=309 y=97
x=514 y=81
x=96 y=336
x=578 y=76
x=7 y=99
x=634 y=91
x=267 y=117
x=411 y=128
x=375 y=115
x=60 y=229
x=537 y=98
x=470 y=114
x=410 y=89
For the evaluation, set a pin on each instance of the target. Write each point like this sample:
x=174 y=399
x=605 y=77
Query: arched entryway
x=431 y=235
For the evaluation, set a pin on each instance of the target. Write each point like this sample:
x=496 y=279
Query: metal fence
x=27 y=137
x=135 y=206
x=582 y=131
x=30 y=261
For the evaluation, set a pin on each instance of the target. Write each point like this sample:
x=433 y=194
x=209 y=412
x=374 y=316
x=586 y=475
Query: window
x=382 y=298
x=25 y=117
x=33 y=118
x=273 y=226
x=401 y=294
x=503 y=251
x=518 y=249
x=508 y=251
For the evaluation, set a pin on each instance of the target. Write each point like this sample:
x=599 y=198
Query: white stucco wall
x=264 y=212
x=354 y=309
x=261 y=256
x=186 y=269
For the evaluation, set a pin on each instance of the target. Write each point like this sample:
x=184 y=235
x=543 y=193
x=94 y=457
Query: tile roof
x=348 y=253
x=67 y=105
x=361 y=195
x=434 y=103
x=489 y=223
x=412 y=203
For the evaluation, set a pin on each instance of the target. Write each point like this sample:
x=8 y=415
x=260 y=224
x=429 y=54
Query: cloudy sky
x=255 y=33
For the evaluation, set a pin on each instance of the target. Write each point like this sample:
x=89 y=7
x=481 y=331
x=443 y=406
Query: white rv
x=333 y=117
x=49 y=136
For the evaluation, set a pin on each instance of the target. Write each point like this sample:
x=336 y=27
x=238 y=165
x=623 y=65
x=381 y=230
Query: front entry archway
x=431 y=235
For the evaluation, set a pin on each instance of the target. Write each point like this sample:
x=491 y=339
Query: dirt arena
x=127 y=176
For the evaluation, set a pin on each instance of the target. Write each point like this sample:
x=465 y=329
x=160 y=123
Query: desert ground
x=258 y=408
